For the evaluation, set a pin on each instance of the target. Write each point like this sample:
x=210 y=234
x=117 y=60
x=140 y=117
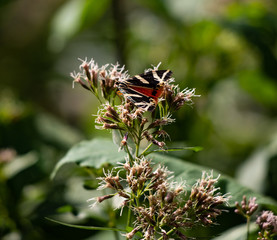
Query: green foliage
x=98 y=153
x=225 y=49
x=95 y=154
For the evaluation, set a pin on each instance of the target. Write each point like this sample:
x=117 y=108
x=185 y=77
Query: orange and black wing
x=145 y=89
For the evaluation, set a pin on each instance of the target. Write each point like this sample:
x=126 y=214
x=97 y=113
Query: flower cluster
x=174 y=99
x=159 y=204
x=204 y=200
x=92 y=77
x=267 y=222
x=246 y=208
x=160 y=207
x=131 y=121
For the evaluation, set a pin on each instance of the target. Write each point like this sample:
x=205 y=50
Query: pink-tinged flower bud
x=103 y=73
x=143 y=121
x=131 y=234
x=79 y=80
x=169 y=197
x=267 y=221
x=154 y=124
x=86 y=68
x=148 y=136
x=94 y=74
x=110 y=126
x=103 y=120
x=161 y=133
x=124 y=140
x=123 y=194
x=147 y=216
x=111 y=110
x=109 y=115
x=159 y=144
x=103 y=198
x=247 y=207
x=134 y=185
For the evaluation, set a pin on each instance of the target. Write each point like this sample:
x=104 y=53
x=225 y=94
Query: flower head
x=204 y=199
x=246 y=208
x=267 y=220
x=92 y=76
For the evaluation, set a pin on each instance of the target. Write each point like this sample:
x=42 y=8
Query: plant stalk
x=248 y=227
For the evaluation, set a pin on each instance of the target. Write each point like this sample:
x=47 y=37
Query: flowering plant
x=157 y=205
x=131 y=121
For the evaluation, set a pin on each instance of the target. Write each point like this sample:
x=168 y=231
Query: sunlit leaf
x=94 y=153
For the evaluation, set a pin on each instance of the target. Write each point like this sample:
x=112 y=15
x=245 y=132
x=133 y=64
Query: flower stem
x=127 y=150
x=130 y=155
x=137 y=150
x=248 y=227
x=129 y=214
x=139 y=137
x=144 y=151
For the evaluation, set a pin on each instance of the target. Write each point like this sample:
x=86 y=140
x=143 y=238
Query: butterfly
x=145 y=89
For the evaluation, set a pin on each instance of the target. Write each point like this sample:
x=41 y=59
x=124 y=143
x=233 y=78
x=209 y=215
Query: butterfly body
x=144 y=90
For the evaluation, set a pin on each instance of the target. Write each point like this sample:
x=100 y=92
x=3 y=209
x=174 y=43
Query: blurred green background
x=225 y=49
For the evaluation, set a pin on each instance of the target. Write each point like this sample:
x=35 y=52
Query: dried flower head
x=92 y=76
x=158 y=203
x=174 y=98
x=204 y=199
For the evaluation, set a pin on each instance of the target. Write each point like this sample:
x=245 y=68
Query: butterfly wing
x=145 y=89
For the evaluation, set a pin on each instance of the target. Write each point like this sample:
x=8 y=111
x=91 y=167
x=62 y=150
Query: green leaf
x=97 y=152
x=94 y=153
x=87 y=227
x=72 y=17
x=117 y=138
x=20 y=163
x=257 y=84
x=195 y=149
x=258 y=163
x=238 y=232
x=55 y=132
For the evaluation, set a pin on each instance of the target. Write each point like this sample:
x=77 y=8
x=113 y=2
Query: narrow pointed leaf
x=86 y=227
x=195 y=149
